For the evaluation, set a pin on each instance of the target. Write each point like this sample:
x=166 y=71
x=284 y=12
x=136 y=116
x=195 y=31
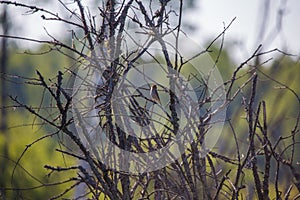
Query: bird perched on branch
x=154 y=94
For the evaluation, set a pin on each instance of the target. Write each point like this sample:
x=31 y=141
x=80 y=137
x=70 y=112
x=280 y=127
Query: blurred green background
x=22 y=128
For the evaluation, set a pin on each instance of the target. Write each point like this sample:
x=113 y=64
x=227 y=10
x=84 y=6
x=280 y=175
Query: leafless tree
x=95 y=100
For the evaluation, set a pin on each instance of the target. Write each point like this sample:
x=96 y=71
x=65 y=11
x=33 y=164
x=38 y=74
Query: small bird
x=154 y=94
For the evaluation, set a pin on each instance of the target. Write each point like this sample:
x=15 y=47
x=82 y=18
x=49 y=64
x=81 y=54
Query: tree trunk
x=3 y=96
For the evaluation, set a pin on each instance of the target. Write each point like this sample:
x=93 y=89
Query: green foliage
x=23 y=164
x=29 y=172
x=278 y=83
